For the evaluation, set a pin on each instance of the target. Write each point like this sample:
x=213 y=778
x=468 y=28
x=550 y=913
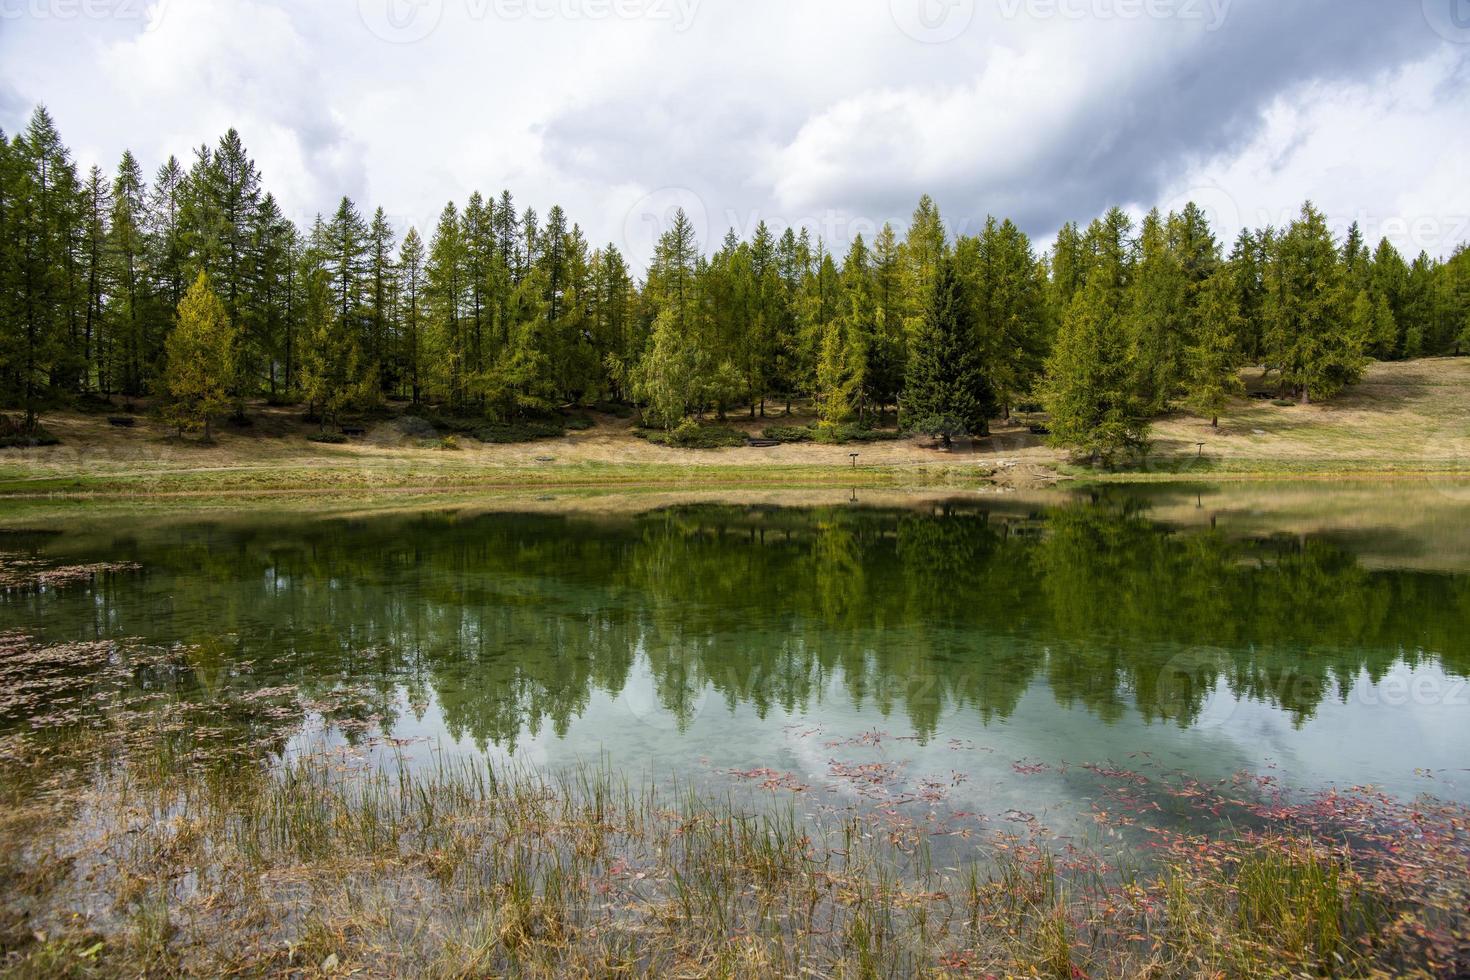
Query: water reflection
x=511 y=623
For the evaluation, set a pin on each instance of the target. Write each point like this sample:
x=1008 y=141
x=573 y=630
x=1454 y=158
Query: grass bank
x=1406 y=421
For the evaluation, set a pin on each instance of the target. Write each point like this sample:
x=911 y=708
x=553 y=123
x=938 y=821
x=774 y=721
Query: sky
x=835 y=115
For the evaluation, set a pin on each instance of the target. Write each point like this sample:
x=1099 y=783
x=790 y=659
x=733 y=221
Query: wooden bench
x=122 y=421
x=353 y=430
x=762 y=443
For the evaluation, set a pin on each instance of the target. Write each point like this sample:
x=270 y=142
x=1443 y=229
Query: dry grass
x=1410 y=416
x=1406 y=418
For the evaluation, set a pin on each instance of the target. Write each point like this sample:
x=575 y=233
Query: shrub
x=531 y=430
x=449 y=444
x=691 y=435
x=1283 y=403
x=579 y=423
x=327 y=438
x=841 y=434
x=13 y=435
x=789 y=433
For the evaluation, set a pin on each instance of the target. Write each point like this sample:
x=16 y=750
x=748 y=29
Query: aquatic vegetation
x=164 y=837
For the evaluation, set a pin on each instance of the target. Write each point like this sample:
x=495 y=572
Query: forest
x=193 y=289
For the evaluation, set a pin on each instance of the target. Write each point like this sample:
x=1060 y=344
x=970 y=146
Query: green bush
x=13 y=435
x=328 y=438
x=842 y=434
x=789 y=433
x=1283 y=403
x=579 y=423
x=691 y=435
x=530 y=430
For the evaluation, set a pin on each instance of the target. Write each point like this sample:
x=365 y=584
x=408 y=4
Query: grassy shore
x=1407 y=420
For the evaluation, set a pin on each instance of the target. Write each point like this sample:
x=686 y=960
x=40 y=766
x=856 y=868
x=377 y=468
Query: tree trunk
x=1215 y=422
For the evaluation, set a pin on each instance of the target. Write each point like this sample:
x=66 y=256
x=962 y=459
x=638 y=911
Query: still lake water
x=992 y=655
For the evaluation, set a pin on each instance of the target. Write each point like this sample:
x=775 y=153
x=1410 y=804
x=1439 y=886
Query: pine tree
x=444 y=294
x=1009 y=290
x=97 y=211
x=924 y=249
x=46 y=223
x=331 y=376
x=378 y=311
x=411 y=290
x=1212 y=360
x=948 y=392
x=1157 y=302
x=201 y=360
x=1090 y=389
x=1309 y=335
x=133 y=303
x=665 y=375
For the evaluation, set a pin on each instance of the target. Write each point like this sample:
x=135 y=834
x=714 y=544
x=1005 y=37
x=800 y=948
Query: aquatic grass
x=500 y=874
x=153 y=833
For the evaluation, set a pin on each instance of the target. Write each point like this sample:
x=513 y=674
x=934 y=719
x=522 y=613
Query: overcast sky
x=835 y=114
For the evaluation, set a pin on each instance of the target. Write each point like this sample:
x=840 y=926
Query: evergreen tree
x=1308 y=310
x=378 y=314
x=331 y=379
x=46 y=216
x=665 y=375
x=1090 y=389
x=948 y=392
x=1212 y=360
x=132 y=305
x=1009 y=289
x=201 y=360
x=97 y=210
x=444 y=292
x=1157 y=303
x=410 y=292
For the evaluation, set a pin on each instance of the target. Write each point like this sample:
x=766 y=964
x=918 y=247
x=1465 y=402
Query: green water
x=995 y=655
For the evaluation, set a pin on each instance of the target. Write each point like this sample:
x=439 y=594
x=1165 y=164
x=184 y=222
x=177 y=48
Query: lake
x=988 y=655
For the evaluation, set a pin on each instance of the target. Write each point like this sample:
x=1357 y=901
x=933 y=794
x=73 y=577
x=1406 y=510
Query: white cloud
x=824 y=112
x=1391 y=152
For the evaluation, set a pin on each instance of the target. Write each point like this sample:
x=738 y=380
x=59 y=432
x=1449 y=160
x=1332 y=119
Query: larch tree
x=330 y=377
x=1308 y=310
x=1091 y=389
x=1212 y=359
x=201 y=360
x=411 y=291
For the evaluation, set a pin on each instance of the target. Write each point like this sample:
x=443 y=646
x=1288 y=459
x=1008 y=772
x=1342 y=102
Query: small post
x=854 y=459
x=1201 y=449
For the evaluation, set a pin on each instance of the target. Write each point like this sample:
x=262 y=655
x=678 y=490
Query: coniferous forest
x=191 y=287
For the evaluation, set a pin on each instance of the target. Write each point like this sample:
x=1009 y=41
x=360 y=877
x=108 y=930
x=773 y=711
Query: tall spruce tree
x=948 y=391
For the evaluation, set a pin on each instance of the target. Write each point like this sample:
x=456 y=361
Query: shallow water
x=991 y=657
